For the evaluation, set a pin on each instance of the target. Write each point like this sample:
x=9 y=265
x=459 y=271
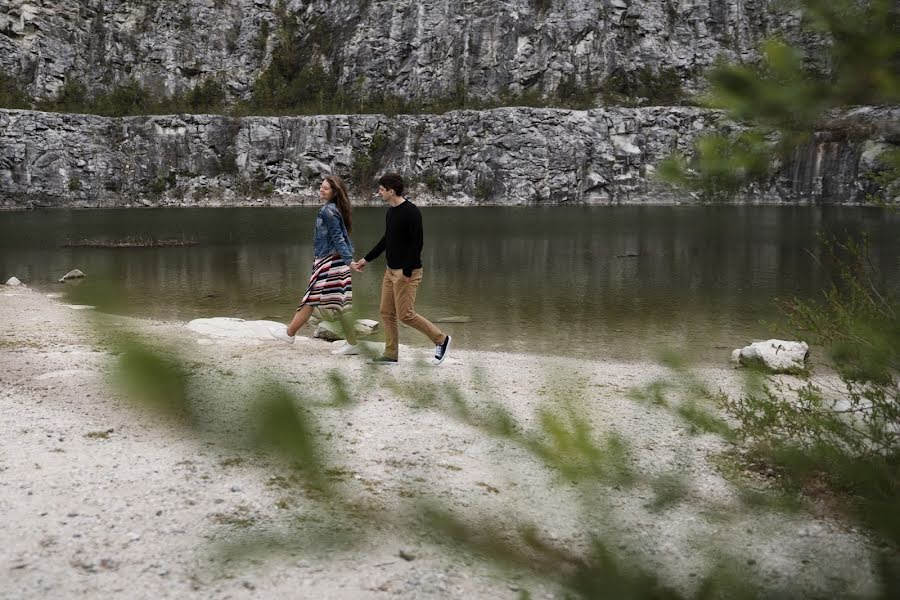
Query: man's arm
x=359 y=265
x=377 y=250
x=416 y=242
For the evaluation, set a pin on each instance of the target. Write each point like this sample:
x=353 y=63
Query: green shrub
x=541 y=6
x=255 y=185
x=572 y=95
x=131 y=98
x=295 y=79
x=12 y=94
x=128 y=98
x=659 y=87
x=433 y=181
x=228 y=163
x=161 y=183
x=366 y=164
x=847 y=437
x=157 y=186
x=262 y=39
x=206 y=97
x=483 y=188
x=71 y=98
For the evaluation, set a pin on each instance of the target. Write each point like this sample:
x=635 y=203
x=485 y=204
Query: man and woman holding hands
x=330 y=289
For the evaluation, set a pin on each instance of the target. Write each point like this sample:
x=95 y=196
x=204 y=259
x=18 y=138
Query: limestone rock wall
x=504 y=156
x=414 y=48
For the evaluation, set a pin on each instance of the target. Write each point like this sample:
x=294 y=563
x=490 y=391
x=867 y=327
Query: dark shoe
x=440 y=351
x=383 y=360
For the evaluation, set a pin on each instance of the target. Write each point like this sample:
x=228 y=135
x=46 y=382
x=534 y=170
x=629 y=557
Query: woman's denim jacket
x=331 y=234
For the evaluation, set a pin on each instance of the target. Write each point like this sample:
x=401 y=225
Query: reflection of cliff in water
x=601 y=281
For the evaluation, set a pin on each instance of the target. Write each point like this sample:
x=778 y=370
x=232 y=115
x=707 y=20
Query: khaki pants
x=398 y=297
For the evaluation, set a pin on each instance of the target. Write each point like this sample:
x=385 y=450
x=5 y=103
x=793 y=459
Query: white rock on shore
x=777 y=356
x=14 y=282
x=232 y=329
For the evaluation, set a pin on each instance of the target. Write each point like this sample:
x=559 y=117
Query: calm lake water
x=608 y=282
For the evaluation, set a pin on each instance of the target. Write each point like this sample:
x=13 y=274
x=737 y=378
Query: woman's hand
x=358 y=265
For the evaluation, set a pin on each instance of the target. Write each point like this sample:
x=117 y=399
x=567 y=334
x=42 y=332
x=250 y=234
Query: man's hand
x=358 y=265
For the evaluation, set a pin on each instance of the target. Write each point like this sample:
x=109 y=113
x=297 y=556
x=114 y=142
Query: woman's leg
x=300 y=318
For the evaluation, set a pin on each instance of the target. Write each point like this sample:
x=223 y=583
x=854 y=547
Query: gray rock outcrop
x=502 y=156
x=73 y=274
x=422 y=48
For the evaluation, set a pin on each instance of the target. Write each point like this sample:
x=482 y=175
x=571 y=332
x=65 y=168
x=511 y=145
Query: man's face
x=385 y=194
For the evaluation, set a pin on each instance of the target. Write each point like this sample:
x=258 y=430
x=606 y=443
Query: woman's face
x=326 y=192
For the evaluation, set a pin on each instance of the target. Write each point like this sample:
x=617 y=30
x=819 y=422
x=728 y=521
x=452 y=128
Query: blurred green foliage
x=886 y=176
x=781 y=100
x=722 y=165
x=279 y=421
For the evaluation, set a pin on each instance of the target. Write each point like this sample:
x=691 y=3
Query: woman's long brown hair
x=342 y=199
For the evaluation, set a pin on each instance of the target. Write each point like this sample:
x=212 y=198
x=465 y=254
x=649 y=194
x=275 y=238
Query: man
x=402 y=245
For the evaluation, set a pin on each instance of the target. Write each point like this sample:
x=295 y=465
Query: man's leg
x=405 y=298
x=389 y=317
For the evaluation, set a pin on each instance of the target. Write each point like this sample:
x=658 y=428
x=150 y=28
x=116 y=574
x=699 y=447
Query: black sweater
x=402 y=240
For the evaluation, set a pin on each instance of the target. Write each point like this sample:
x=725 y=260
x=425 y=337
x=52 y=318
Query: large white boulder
x=234 y=330
x=14 y=282
x=777 y=356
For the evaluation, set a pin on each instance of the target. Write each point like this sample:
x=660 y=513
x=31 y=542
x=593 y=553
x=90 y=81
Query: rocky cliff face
x=424 y=49
x=421 y=48
x=509 y=156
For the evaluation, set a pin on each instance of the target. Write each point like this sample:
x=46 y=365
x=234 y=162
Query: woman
x=330 y=293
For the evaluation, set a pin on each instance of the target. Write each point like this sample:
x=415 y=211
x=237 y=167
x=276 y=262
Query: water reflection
x=601 y=281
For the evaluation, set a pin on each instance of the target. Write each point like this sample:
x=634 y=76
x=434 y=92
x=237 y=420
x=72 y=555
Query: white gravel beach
x=101 y=499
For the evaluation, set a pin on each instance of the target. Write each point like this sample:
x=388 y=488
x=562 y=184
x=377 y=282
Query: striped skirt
x=329 y=286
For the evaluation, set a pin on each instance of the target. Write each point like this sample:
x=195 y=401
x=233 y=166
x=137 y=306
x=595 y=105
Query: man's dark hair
x=392 y=181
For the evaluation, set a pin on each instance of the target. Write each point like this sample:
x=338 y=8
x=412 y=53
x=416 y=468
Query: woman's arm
x=333 y=222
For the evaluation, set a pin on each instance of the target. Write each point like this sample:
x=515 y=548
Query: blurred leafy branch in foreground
x=843 y=431
x=562 y=440
x=784 y=98
x=853 y=450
